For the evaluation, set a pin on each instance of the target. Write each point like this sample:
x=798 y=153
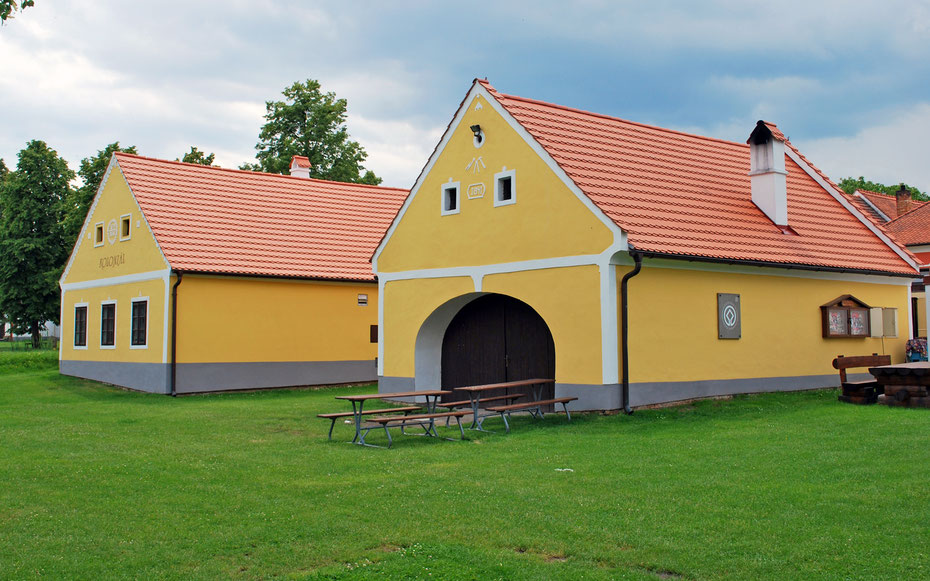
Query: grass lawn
x=97 y=482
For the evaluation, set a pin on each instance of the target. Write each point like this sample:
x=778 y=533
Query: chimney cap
x=763 y=132
x=300 y=161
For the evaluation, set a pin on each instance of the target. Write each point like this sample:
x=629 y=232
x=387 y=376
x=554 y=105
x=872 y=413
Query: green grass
x=97 y=482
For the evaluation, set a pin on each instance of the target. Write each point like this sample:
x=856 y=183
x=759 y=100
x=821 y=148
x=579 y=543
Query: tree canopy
x=8 y=7
x=197 y=156
x=850 y=185
x=311 y=123
x=32 y=251
x=78 y=202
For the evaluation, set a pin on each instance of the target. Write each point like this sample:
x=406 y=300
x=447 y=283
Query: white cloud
x=890 y=152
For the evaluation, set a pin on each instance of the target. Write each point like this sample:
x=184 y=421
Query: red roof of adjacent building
x=210 y=219
x=687 y=195
x=868 y=202
x=912 y=228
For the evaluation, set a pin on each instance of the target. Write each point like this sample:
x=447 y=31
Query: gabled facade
x=509 y=258
x=188 y=278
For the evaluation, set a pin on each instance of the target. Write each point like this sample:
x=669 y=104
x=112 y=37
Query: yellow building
x=533 y=228
x=188 y=278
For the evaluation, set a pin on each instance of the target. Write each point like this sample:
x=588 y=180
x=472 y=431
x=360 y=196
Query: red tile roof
x=912 y=228
x=210 y=219
x=887 y=205
x=680 y=194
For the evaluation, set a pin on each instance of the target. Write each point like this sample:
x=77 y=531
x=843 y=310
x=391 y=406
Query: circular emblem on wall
x=730 y=317
x=112 y=230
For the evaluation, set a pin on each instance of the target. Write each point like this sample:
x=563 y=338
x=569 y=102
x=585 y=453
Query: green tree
x=4 y=170
x=8 y=7
x=32 y=251
x=850 y=185
x=197 y=156
x=311 y=123
x=79 y=200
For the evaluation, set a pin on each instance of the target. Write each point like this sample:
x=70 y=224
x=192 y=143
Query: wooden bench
x=336 y=416
x=469 y=403
x=533 y=406
x=859 y=392
x=428 y=421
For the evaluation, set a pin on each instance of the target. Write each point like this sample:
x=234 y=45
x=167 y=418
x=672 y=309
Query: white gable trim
x=620 y=241
x=90 y=212
x=849 y=206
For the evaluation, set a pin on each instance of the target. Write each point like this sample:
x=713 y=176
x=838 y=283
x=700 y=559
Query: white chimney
x=300 y=166
x=767 y=172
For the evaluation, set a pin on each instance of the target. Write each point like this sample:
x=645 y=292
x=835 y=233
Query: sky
x=847 y=81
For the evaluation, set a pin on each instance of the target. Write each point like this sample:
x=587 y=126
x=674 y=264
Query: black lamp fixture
x=476 y=129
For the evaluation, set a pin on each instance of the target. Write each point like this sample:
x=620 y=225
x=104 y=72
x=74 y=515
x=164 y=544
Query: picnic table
x=904 y=384
x=431 y=397
x=475 y=399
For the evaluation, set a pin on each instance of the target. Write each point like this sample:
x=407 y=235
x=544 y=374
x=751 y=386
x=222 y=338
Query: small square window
x=362 y=300
x=98 y=234
x=505 y=190
x=450 y=198
x=124 y=227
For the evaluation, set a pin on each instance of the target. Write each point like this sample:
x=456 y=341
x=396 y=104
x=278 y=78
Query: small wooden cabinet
x=845 y=316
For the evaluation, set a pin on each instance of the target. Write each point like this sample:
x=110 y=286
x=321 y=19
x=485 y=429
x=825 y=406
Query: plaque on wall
x=729 y=320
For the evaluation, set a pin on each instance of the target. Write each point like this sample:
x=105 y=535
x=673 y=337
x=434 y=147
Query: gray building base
x=608 y=397
x=209 y=377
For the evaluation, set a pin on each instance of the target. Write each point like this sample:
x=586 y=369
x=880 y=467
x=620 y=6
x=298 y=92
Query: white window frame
x=103 y=235
x=86 y=326
x=362 y=299
x=115 y=325
x=446 y=187
x=128 y=219
x=147 y=311
x=508 y=173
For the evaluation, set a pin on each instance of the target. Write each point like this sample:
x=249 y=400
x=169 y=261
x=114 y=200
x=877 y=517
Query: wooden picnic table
x=431 y=396
x=904 y=384
x=474 y=395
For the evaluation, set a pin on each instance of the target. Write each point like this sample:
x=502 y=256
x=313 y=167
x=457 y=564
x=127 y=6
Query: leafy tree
x=78 y=202
x=311 y=123
x=850 y=185
x=32 y=252
x=197 y=156
x=4 y=170
x=8 y=7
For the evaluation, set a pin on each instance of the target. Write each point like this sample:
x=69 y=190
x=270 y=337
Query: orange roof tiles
x=912 y=228
x=687 y=195
x=210 y=219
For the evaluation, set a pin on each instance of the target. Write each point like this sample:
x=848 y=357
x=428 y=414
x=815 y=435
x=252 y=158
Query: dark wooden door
x=493 y=339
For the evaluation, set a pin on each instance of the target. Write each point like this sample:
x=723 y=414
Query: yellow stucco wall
x=673 y=325
x=115 y=257
x=482 y=233
x=234 y=319
x=123 y=294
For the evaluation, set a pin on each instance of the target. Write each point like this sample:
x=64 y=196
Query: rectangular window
x=124 y=227
x=98 y=234
x=108 y=324
x=505 y=190
x=362 y=300
x=138 y=336
x=80 y=326
x=450 y=198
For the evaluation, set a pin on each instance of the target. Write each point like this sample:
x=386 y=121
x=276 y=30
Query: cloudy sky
x=847 y=81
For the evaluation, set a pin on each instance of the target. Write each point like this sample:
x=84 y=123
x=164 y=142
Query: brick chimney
x=767 y=172
x=300 y=166
x=903 y=199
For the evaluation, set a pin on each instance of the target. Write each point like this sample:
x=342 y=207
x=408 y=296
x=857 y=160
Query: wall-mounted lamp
x=476 y=129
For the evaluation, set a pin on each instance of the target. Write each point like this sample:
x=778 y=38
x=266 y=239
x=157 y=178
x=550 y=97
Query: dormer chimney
x=903 y=199
x=767 y=171
x=300 y=166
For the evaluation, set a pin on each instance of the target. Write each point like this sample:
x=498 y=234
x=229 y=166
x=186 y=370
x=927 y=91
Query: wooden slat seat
x=533 y=406
x=859 y=392
x=466 y=402
x=335 y=416
x=427 y=420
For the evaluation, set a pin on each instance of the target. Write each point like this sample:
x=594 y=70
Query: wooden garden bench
x=336 y=416
x=427 y=421
x=535 y=408
x=859 y=392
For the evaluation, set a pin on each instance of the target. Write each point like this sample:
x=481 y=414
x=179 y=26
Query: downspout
x=625 y=328
x=174 y=334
